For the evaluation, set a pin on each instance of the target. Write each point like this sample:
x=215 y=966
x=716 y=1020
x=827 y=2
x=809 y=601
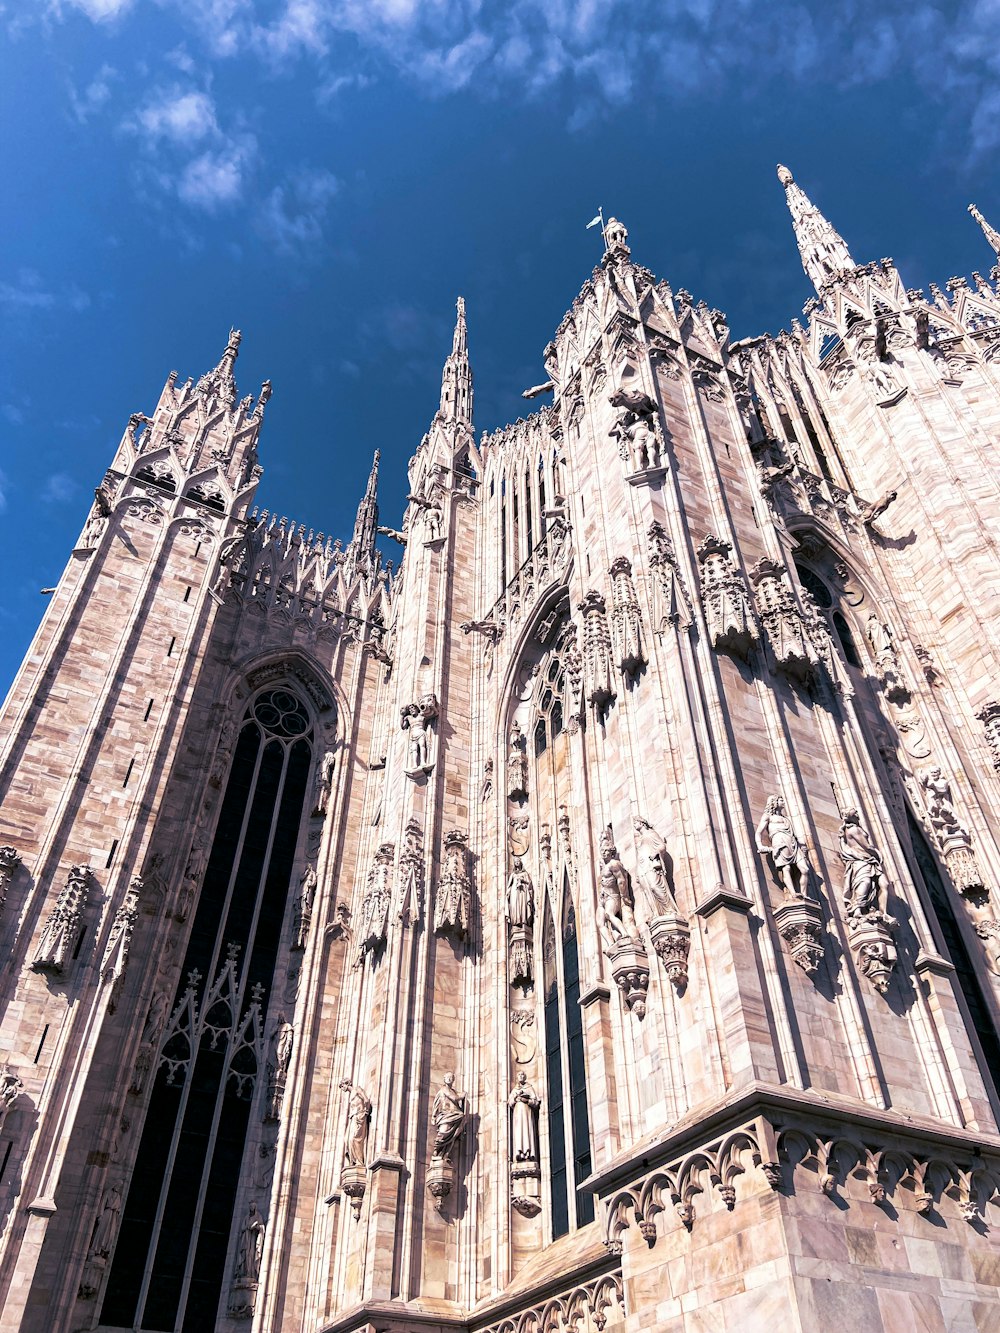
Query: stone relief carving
x=246 y=1271
x=453 y=901
x=519 y=830
x=598 y=678
x=323 y=784
x=524 y=1104
x=799 y=918
x=373 y=926
x=869 y=926
x=193 y=874
x=517 y=764
x=411 y=876
x=223 y=752
x=156 y=1017
x=10 y=859
x=119 y=941
x=523 y=1036
x=420 y=720
x=303 y=911
x=616 y=922
x=671 y=599
x=353 y=1175
x=519 y=912
x=626 y=619
x=783 y=622
x=62 y=930
x=637 y=430
x=449 y=1116
x=282 y=1040
x=732 y=626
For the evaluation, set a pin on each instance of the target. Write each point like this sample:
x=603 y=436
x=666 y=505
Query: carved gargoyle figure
x=636 y=428
x=875 y=510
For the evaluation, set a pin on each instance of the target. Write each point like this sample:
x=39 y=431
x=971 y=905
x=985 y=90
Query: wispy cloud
x=294 y=213
x=216 y=178
x=28 y=294
x=100 y=11
x=95 y=96
x=59 y=488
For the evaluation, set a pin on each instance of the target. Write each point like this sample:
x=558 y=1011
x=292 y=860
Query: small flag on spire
x=598 y=220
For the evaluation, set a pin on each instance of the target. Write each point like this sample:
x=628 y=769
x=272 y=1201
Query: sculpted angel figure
x=866 y=885
x=654 y=866
x=777 y=839
x=449 y=1117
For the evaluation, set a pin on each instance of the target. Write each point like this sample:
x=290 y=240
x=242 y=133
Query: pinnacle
x=785 y=176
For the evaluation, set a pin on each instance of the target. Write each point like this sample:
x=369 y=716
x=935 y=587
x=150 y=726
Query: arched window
x=169 y=1264
x=565 y=1071
x=846 y=639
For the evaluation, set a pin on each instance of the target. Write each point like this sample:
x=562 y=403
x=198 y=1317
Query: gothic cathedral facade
x=592 y=922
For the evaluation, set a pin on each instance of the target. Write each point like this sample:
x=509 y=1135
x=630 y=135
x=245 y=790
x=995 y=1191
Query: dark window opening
x=846 y=640
x=541 y=739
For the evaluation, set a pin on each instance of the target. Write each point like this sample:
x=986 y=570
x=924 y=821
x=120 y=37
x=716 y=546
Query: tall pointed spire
x=361 y=552
x=824 y=253
x=456 y=379
x=221 y=381
x=991 y=233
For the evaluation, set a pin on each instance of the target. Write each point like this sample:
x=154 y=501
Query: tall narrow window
x=168 y=1270
x=940 y=902
x=569 y=1119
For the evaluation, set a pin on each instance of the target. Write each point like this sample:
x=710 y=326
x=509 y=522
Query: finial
x=785 y=176
x=615 y=237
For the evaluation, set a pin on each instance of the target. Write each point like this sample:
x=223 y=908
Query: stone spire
x=825 y=255
x=221 y=382
x=456 y=379
x=991 y=233
x=361 y=552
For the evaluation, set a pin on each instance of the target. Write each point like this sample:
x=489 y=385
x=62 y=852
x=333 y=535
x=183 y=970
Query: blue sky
x=329 y=175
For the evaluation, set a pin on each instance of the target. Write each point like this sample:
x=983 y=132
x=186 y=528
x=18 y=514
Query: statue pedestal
x=520 y=955
x=440 y=1180
x=671 y=937
x=242 y=1298
x=525 y=1194
x=800 y=923
x=353 y=1180
x=875 y=947
x=630 y=969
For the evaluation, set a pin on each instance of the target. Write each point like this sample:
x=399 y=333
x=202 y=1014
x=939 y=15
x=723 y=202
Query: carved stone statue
x=866 y=885
x=616 y=914
x=517 y=764
x=449 y=1117
x=324 y=783
x=249 y=1250
x=419 y=719
x=359 y=1109
x=106 y=1227
x=777 y=840
x=520 y=909
x=654 y=867
x=524 y=1103
x=879 y=635
x=11 y=1087
x=304 y=907
x=940 y=808
x=636 y=429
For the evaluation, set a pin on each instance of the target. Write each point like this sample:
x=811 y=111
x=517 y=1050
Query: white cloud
x=183 y=117
x=99 y=11
x=95 y=96
x=28 y=294
x=216 y=178
x=294 y=213
x=59 y=488
x=3 y=493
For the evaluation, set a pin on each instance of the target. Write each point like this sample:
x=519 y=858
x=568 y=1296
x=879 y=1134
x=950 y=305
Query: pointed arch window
x=169 y=1267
